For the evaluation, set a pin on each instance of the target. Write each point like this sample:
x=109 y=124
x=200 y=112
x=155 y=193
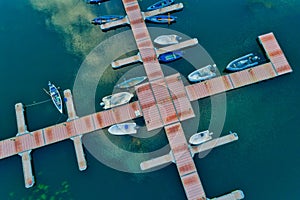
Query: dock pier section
x=26 y=158
x=82 y=165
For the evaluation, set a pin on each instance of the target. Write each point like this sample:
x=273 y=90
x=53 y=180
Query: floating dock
x=76 y=139
x=163 y=102
x=26 y=158
x=184 y=162
x=174 y=47
x=137 y=58
x=168 y=158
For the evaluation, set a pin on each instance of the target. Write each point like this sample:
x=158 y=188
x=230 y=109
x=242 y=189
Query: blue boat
x=162 y=19
x=160 y=4
x=106 y=18
x=98 y=2
x=249 y=60
x=170 y=56
x=55 y=96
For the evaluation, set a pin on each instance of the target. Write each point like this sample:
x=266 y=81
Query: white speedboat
x=203 y=73
x=123 y=129
x=167 y=39
x=201 y=137
x=116 y=99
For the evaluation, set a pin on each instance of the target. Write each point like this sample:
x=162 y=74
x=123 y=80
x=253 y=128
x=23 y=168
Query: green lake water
x=41 y=41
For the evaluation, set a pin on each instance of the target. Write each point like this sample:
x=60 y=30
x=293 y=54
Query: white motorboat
x=203 y=73
x=116 y=99
x=123 y=129
x=167 y=39
x=201 y=137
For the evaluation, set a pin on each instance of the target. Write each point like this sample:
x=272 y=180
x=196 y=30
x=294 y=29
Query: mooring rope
x=37 y=103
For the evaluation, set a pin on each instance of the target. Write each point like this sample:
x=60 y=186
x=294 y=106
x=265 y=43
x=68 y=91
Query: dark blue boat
x=249 y=60
x=170 y=56
x=106 y=18
x=162 y=19
x=160 y=4
x=95 y=1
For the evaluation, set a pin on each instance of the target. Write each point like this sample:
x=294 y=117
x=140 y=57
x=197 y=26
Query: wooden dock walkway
x=163 y=102
x=275 y=54
x=76 y=139
x=137 y=58
x=125 y=20
x=168 y=158
x=278 y=66
x=184 y=162
x=174 y=47
x=26 y=158
x=66 y=130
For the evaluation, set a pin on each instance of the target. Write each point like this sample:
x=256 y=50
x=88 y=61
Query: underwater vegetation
x=71 y=19
x=45 y=192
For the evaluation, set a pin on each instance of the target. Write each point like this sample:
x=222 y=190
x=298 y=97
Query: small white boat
x=55 y=96
x=201 y=137
x=131 y=82
x=167 y=39
x=116 y=99
x=123 y=129
x=203 y=73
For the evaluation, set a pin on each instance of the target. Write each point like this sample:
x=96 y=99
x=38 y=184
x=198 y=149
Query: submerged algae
x=72 y=20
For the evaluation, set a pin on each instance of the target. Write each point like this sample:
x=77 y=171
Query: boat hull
x=131 y=82
x=55 y=97
x=244 y=62
x=167 y=39
x=105 y=19
x=123 y=129
x=203 y=74
x=116 y=99
x=160 y=4
x=162 y=19
x=97 y=2
x=170 y=56
x=201 y=137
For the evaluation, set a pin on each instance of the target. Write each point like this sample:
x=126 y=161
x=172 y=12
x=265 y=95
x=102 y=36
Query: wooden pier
x=26 y=158
x=137 y=58
x=174 y=47
x=76 y=139
x=163 y=102
x=168 y=158
x=125 y=20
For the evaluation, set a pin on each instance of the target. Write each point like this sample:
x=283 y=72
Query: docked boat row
x=162 y=19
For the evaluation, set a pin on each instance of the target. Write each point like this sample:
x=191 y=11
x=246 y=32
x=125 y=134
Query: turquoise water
x=264 y=163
